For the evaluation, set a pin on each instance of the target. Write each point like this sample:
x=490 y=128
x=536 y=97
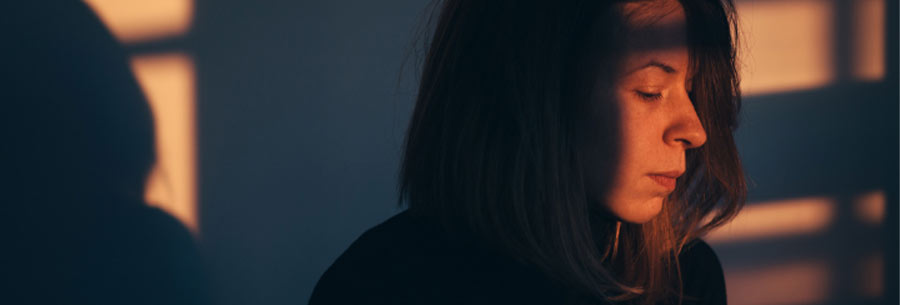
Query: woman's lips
x=665 y=181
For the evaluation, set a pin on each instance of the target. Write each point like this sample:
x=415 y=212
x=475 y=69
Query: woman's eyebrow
x=655 y=63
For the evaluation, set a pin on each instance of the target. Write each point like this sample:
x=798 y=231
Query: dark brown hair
x=492 y=147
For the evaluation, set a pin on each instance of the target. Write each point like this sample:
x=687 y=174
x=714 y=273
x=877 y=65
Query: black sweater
x=404 y=261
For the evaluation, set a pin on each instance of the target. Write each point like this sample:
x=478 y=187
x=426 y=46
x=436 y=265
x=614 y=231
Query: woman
x=561 y=152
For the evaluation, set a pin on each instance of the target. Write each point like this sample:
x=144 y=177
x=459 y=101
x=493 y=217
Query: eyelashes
x=654 y=96
x=648 y=96
x=653 y=93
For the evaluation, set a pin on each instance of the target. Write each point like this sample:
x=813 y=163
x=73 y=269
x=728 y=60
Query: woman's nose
x=685 y=128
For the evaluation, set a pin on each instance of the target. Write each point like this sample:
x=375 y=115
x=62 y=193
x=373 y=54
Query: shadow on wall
x=78 y=145
x=819 y=142
x=823 y=190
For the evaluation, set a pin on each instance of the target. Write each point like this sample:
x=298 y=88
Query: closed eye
x=649 y=96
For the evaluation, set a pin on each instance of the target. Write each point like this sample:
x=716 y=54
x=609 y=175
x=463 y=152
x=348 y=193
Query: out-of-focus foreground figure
x=78 y=143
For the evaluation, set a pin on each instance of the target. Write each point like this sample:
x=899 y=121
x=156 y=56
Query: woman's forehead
x=656 y=33
x=655 y=25
x=650 y=11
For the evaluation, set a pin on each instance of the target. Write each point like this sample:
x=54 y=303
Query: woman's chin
x=639 y=212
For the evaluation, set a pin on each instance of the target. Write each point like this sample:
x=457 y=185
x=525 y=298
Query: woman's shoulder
x=701 y=274
x=380 y=260
x=406 y=260
x=698 y=250
x=392 y=236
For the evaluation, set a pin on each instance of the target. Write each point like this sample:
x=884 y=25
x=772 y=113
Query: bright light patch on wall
x=777 y=219
x=870 y=207
x=168 y=83
x=137 y=21
x=868 y=39
x=797 y=283
x=785 y=45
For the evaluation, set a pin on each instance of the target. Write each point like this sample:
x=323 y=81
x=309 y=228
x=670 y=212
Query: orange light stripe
x=785 y=45
x=776 y=219
x=868 y=39
x=137 y=21
x=796 y=283
x=168 y=82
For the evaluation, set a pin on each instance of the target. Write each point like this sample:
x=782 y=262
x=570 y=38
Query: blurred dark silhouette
x=77 y=147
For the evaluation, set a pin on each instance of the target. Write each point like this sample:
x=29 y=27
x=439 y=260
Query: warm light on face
x=658 y=122
x=136 y=21
x=168 y=83
x=777 y=219
x=786 y=45
x=806 y=282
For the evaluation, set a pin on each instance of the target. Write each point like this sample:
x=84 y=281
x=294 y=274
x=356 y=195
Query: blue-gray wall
x=301 y=120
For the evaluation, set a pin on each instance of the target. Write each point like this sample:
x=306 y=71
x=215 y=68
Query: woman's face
x=657 y=121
